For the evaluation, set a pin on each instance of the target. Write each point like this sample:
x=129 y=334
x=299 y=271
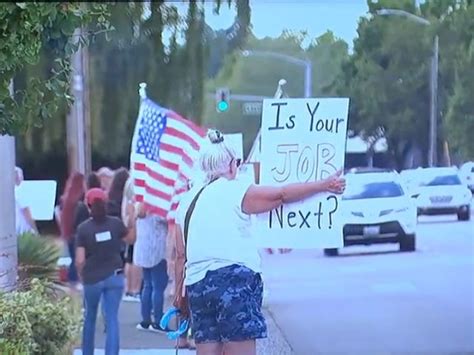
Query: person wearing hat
x=100 y=265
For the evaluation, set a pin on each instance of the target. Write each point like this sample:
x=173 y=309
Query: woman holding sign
x=222 y=276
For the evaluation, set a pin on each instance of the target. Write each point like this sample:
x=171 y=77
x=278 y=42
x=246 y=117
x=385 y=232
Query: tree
x=26 y=29
x=387 y=79
x=327 y=54
x=146 y=47
x=458 y=118
x=456 y=33
x=259 y=75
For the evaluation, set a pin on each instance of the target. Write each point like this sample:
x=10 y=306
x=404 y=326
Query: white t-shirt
x=22 y=225
x=219 y=232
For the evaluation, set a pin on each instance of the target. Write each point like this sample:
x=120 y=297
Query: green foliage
x=388 y=75
x=259 y=75
x=26 y=29
x=144 y=47
x=141 y=51
x=37 y=258
x=456 y=33
x=458 y=125
x=36 y=322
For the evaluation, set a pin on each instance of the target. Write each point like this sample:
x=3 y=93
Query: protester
x=24 y=220
x=81 y=212
x=114 y=208
x=73 y=193
x=105 y=175
x=223 y=268
x=100 y=265
x=150 y=254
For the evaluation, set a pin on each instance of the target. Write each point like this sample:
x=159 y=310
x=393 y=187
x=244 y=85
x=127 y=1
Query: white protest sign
x=40 y=197
x=236 y=141
x=303 y=140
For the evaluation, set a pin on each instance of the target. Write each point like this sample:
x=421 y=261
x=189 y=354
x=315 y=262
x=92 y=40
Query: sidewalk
x=136 y=342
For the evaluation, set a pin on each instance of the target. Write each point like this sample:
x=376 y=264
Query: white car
x=376 y=209
x=410 y=179
x=467 y=173
x=443 y=192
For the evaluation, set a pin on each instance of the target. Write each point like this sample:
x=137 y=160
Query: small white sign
x=252 y=108
x=103 y=236
x=40 y=197
x=303 y=140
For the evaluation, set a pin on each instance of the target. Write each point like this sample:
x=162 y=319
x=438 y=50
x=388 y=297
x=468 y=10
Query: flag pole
x=279 y=93
x=142 y=91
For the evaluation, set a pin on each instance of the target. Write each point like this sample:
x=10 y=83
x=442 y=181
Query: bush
x=37 y=258
x=37 y=321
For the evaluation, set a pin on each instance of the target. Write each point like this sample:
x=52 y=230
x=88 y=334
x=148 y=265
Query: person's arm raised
x=259 y=199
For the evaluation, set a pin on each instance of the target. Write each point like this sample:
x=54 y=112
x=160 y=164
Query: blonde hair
x=216 y=156
x=128 y=197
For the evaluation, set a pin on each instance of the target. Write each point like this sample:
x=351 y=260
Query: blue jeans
x=155 y=280
x=110 y=290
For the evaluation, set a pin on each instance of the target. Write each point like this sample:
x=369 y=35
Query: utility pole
x=78 y=120
x=8 y=237
x=433 y=154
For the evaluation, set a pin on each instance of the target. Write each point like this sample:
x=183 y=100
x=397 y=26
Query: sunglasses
x=238 y=162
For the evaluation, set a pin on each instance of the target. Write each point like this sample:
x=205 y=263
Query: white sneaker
x=131 y=298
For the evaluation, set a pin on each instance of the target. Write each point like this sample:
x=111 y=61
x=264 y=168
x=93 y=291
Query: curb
x=276 y=343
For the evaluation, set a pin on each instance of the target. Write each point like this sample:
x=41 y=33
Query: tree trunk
x=8 y=238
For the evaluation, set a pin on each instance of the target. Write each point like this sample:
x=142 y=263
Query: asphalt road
x=376 y=300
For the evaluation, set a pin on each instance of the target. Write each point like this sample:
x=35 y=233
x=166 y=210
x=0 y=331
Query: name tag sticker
x=103 y=237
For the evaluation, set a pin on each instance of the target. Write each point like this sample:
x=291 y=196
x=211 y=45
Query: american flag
x=164 y=147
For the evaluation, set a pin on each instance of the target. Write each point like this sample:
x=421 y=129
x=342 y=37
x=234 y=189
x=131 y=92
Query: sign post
x=303 y=140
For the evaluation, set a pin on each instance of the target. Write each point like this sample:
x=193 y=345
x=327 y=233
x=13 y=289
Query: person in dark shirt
x=81 y=213
x=99 y=242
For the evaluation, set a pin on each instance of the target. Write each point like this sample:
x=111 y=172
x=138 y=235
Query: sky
x=271 y=17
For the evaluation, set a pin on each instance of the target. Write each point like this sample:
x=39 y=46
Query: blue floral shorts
x=226 y=306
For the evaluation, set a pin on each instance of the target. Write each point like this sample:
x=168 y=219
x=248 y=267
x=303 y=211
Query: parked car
x=442 y=191
x=467 y=174
x=376 y=209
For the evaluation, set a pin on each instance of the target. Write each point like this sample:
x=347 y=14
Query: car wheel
x=464 y=215
x=407 y=242
x=331 y=252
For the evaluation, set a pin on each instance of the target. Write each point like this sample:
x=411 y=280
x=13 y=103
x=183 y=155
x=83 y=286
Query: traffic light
x=222 y=99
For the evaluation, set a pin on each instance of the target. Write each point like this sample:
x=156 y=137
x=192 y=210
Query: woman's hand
x=335 y=183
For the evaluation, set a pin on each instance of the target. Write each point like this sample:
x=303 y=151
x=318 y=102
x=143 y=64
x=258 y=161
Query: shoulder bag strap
x=190 y=211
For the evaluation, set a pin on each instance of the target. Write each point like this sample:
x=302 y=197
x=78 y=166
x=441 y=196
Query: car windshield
x=372 y=190
x=443 y=180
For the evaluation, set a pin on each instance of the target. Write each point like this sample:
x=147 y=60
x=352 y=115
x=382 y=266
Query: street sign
x=252 y=108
